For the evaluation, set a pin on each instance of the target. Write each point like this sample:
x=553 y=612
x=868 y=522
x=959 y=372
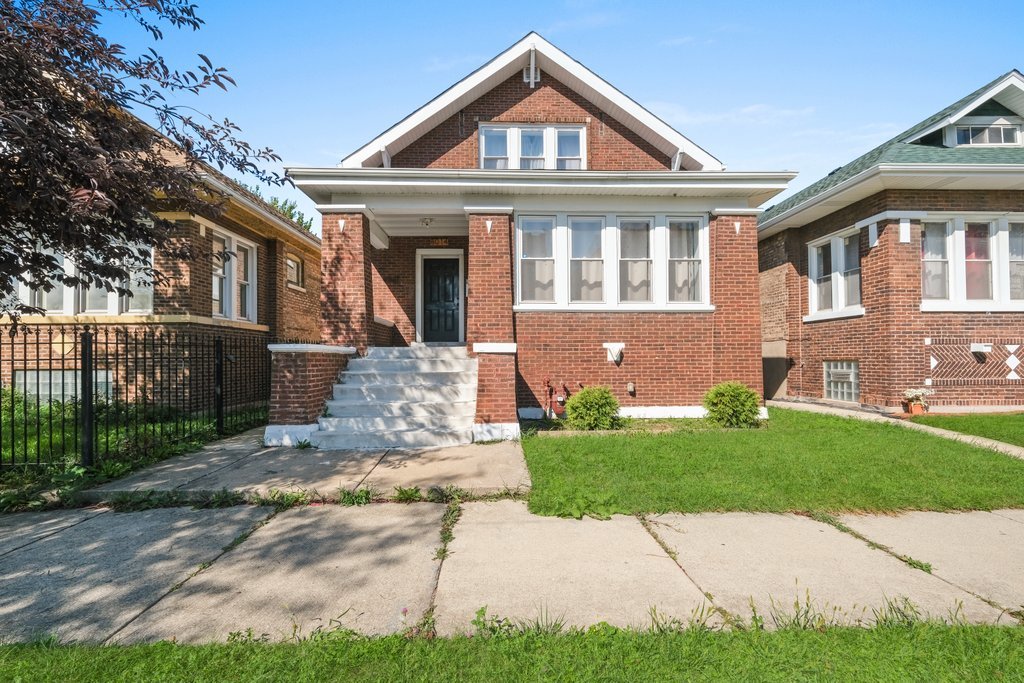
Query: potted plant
x=915 y=401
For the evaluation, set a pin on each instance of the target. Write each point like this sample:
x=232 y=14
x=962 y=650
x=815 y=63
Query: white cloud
x=680 y=40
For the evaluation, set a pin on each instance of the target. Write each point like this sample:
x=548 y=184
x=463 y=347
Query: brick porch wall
x=346 y=295
x=489 y=315
x=300 y=384
x=888 y=342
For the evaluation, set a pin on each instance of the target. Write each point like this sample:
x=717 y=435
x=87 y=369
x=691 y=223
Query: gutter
x=770 y=227
x=270 y=216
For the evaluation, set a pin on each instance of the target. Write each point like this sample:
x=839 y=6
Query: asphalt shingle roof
x=895 y=151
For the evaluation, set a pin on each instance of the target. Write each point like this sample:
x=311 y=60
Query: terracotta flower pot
x=913 y=408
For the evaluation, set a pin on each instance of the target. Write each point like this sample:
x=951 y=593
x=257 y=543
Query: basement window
x=842 y=380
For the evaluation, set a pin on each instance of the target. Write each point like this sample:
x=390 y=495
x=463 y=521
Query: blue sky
x=803 y=86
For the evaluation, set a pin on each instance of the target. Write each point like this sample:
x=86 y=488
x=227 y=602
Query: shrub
x=732 y=404
x=592 y=408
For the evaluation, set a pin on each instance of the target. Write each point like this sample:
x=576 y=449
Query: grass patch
x=1005 y=427
x=799 y=462
x=917 y=652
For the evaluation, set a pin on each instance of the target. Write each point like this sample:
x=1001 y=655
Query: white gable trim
x=561 y=67
x=1012 y=80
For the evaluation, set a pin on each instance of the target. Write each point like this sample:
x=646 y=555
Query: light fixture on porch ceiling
x=425 y=222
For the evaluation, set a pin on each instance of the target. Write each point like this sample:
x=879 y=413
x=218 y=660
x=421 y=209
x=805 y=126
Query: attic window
x=533 y=147
x=987 y=135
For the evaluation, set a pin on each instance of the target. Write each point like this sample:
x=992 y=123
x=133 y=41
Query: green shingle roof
x=896 y=151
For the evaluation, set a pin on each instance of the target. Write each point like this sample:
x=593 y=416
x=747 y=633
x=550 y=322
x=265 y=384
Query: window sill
x=851 y=312
x=605 y=308
x=297 y=288
x=936 y=306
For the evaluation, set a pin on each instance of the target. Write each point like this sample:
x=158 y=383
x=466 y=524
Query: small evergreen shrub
x=732 y=404
x=592 y=408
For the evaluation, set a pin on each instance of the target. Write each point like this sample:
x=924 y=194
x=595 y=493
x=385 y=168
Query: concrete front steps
x=402 y=397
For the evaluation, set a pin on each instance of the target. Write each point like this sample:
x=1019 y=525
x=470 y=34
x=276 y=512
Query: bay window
x=834 y=276
x=972 y=263
x=537 y=259
x=612 y=262
x=532 y=148
x=92 y=300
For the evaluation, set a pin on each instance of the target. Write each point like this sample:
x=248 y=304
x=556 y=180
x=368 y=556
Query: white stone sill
x=852 y=312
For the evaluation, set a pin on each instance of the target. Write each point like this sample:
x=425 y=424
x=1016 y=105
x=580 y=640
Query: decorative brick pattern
x=300 y=383
x=888 y=341
x=454 y=143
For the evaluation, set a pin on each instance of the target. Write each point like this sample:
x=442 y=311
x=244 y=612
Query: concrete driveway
x=200 y=575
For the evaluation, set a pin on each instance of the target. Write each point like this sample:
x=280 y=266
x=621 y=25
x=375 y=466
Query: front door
x=441 y=309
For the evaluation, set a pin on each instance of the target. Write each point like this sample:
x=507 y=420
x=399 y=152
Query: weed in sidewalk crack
x=826 y=518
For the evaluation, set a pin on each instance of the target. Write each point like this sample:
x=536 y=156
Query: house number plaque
x=439 y=242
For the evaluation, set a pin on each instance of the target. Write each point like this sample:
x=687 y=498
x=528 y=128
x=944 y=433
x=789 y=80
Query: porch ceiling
x=423 y=223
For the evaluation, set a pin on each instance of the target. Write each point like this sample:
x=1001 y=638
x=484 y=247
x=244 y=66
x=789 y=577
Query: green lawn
x=922 y=652
x=1006 y=427
x=799 y=462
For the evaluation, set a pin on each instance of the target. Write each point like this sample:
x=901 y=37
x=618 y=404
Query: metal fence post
x=218 y=383
x=87 y=414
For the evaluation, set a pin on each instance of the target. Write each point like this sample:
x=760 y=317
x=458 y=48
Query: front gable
x=609 y=144
x=623 y=135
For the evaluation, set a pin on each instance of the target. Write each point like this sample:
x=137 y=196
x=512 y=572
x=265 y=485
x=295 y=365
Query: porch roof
x=333 y=185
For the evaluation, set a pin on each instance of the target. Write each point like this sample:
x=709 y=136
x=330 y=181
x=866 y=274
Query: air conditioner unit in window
x=526 y=74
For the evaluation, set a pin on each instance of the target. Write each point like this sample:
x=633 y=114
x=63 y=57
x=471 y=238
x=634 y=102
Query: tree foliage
x=80 y=174
x=286 y=207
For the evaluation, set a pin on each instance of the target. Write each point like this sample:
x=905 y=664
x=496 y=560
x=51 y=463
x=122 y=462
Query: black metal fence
x=84 y=394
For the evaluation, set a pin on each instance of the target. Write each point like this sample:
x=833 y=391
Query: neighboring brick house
x=556 y=233
x=268 y=283
x=905 y=268
x=255 y=278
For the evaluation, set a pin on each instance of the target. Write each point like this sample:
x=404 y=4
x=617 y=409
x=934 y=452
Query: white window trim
x=610 y=243
x=231 y=278
x=512 y=131
x=956 y=251
x=301 y=285
x=836 y=240
x=73 y=298
x=950 y=136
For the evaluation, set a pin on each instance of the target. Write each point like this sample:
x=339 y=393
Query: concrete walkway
x=980 y=441
x=200 y=575
x=243 y=465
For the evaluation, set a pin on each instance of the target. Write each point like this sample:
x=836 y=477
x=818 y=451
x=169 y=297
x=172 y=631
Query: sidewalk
x=200 y=575
x=243 y=465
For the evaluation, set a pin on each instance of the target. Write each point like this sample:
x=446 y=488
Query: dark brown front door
x=441 y=309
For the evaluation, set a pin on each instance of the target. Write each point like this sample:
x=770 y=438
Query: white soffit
x=559 y=66
x=1008 y=92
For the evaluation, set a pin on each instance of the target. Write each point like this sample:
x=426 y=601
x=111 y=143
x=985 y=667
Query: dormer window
x=532 y=148
x=988 y=135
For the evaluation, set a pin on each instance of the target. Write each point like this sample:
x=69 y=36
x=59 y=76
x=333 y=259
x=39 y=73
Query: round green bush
x=733 y=404
x=592 y=408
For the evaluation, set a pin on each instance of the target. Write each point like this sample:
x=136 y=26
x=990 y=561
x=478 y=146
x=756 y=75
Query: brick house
x=529 y=231
x=266 y=288
x=905 y=268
